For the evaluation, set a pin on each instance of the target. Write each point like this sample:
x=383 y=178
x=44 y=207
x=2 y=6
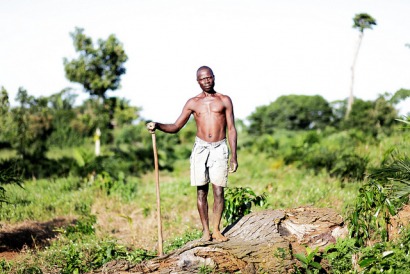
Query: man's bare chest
x=209 y=107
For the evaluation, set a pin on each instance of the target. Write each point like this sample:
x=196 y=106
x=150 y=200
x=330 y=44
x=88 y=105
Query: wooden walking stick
x=154 y=146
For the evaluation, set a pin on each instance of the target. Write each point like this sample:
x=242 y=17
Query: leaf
x=367 y=262
x=301 y=258
x=316 y=265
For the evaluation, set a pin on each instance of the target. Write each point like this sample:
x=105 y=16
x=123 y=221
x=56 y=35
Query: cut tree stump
x=263 y=241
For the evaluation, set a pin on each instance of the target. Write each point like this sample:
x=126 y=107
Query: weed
x=206 y=269
x=5 y=267
x=238 y=203
x=309 y=265
x=180 y=241
x=339 y=255
x=85 y=226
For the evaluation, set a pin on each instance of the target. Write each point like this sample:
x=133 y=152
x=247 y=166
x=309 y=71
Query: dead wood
x=263 y=241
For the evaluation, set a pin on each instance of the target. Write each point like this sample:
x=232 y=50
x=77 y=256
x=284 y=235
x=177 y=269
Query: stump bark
x=263 y=241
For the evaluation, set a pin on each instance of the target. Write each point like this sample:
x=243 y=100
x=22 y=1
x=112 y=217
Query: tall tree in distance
x=99 y=68
x=361 y=22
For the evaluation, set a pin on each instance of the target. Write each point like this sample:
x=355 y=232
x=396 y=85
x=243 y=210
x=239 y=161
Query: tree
x=4 y=101
x=293 y=112
x=400 y=95
x=32 y=125
x=5 y=118
x=372 y=117
x=61 y=107
x=97 y=69
x=361 y=21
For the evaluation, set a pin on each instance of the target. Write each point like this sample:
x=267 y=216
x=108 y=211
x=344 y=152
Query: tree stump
x=263 y=241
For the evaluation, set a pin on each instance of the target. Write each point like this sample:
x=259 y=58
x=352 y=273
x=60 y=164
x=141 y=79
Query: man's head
x=206 y=79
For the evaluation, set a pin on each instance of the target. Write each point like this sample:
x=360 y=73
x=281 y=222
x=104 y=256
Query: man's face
x=206 y=80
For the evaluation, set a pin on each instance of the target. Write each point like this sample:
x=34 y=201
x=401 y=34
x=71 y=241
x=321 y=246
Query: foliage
x=61 y=106
x=379 y=199
x=182 y=240
x=363 y=21
x=339 y=255
x=8 y=176
x=84 y=226
x=5 y=267
x=333 y=153
x=372 y=117
x=124 y=112
x=292 y=112
x=349 y=166
x=70 y=196
x=79 y=251
x=32 y=126
x=370 y=216
x=389 y=257
x=238 y=203
x=309 y=265
x=97 y=69
x=5 y=119
x=4 y=112
x=400 y=95
x=134 y=146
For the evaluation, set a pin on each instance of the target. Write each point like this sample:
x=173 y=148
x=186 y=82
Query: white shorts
x=209 y=163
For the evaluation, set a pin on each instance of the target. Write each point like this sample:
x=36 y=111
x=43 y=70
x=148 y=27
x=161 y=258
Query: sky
x=258 y=49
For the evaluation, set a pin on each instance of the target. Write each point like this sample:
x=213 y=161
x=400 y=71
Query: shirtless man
x=214 y=116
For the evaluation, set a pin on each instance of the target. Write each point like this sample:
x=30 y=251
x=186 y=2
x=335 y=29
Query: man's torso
x=210 y=117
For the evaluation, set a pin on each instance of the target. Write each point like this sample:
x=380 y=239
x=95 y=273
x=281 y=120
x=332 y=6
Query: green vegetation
x=308 y=262
x=296 y=151
x=238 y=203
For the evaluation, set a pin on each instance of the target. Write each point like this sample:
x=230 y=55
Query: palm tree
x=361 y=21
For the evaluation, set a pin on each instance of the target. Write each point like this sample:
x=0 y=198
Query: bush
x=238 y=203
x=349 y=166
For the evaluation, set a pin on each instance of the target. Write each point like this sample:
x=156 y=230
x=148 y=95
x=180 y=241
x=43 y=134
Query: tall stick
x=154 y=146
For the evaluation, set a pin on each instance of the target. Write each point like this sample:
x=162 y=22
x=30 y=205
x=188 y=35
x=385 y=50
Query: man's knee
x=202 y=192
x=218 y=191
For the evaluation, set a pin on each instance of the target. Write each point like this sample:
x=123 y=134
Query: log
x=263 y=241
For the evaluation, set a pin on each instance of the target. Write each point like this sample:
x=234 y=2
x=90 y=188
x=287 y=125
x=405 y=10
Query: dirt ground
x=15 y=239
x=128 y=225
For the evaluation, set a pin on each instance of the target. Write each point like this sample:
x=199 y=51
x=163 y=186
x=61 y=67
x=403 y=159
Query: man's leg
x=219 y=202
x=202 y=203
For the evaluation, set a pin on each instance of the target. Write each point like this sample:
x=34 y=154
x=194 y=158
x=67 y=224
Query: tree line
x=37 y=125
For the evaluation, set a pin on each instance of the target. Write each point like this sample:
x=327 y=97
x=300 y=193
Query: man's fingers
x=233 y=168
x=151 y=127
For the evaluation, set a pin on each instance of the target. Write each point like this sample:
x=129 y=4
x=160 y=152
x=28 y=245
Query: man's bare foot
x=206 y=237
x=218 y=237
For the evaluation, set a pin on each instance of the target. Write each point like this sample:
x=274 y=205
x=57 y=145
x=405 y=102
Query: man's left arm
x=232 y=134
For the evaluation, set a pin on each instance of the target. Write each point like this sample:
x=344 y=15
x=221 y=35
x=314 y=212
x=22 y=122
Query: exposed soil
x=14 y=239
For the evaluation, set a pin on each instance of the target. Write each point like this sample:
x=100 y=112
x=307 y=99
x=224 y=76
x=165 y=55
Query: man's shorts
x=209 y=163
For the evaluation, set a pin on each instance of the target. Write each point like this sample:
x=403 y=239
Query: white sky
x=258 y=49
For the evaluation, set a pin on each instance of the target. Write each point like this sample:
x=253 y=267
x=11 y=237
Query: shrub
x=349 y=166
x=238 y=203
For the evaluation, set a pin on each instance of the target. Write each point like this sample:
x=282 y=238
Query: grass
x=6 y=154
x=286 y=187
x=42 y=200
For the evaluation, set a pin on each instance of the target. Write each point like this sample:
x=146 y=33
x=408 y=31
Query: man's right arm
x=175 y=127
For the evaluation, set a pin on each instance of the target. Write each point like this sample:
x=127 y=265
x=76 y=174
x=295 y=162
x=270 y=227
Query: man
x=214 y=116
